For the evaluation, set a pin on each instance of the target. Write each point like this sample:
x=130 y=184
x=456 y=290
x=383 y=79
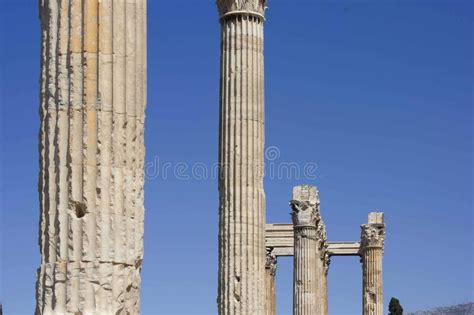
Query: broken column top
x=306 y=193
x=305 y=206
x=376 y=218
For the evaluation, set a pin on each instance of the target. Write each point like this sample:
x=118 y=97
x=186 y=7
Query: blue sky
x=377 y=93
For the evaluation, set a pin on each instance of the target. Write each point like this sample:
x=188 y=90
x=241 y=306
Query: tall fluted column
x=241 y=151
x=270 y=292
x=93 y=95
x=371 y=251
x=306 y=272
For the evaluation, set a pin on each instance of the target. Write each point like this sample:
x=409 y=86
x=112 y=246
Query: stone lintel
x=279 y=236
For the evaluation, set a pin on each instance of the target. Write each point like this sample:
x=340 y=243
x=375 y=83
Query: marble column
x=270 y=291
x=241 y=156
x=306 y=272
x=322 y=267
x=92 y=102
x=326 y=263
x=371 y=251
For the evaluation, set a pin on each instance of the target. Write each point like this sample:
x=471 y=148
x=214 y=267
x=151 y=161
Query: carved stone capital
x=373 y=233
x=240 y=6
x=305 y=206
x=271 y=261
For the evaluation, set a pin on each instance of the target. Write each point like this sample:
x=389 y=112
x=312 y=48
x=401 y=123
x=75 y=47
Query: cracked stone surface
x=92 y=103
x=241 y=150
x=371 y=252
x=270 y=288
x=309 y=240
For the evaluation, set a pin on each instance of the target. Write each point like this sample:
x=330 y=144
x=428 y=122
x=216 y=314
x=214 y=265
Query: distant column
x=270 y=293
x=325 y=285
x=371 y=251
x=306 y=280
x=241 y=156
x=323 y=266
x=92 y=102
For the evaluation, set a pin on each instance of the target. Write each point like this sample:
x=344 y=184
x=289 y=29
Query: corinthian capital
x=251 y=6
x=305 y=206
x=373 y=233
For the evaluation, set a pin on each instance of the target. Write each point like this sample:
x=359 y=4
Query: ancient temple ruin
x=281 y=241
x=93 y=95
x=244 y=287
x=93 y=98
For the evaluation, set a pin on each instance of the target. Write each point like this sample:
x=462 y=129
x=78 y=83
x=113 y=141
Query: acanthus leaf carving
x=373 y=235
x=254 y=6
x=305 y=213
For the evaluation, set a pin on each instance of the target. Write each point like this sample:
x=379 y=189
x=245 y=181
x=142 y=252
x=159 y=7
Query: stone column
x=270 y=292
x=306 y=273
x=92 y=102
x=323 y=267
x=326 y=263
x=371 y=251
x=241 y=154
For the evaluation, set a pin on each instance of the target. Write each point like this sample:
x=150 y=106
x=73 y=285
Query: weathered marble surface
x=280 y=237
x=92 y=102
x=371 y=251
x=241 y=154
x=308 y=270
x=270 y=288
x=252 y=6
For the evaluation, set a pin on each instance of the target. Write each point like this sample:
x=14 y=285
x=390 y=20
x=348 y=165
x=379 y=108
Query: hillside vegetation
x=461 y=309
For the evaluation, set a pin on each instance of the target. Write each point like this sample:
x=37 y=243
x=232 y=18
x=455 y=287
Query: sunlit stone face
x=256 y=6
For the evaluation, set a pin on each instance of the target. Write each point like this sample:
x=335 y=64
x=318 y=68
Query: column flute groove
x=270 y=290
x=92 y=101
x=242 y=206
x=307 y=263
x=371 y=252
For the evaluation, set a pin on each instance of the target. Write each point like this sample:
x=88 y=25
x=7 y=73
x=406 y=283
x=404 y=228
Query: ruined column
x=92 y=102
x=326 y=263
x=241 y=155
x=322 y=267
x=371 y=251
x=307 y=262
x=270 y=292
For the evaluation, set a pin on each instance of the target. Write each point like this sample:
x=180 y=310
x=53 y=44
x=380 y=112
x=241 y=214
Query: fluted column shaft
x=372 y=244
x=270 y=290
x=322 y=267
x=372 y=275
x=305 y=279
x=325 y=306
x=307 y=263
x=241 y=149
x=93 y=95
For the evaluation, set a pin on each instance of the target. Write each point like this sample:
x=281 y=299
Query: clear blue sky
x=378 y=93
